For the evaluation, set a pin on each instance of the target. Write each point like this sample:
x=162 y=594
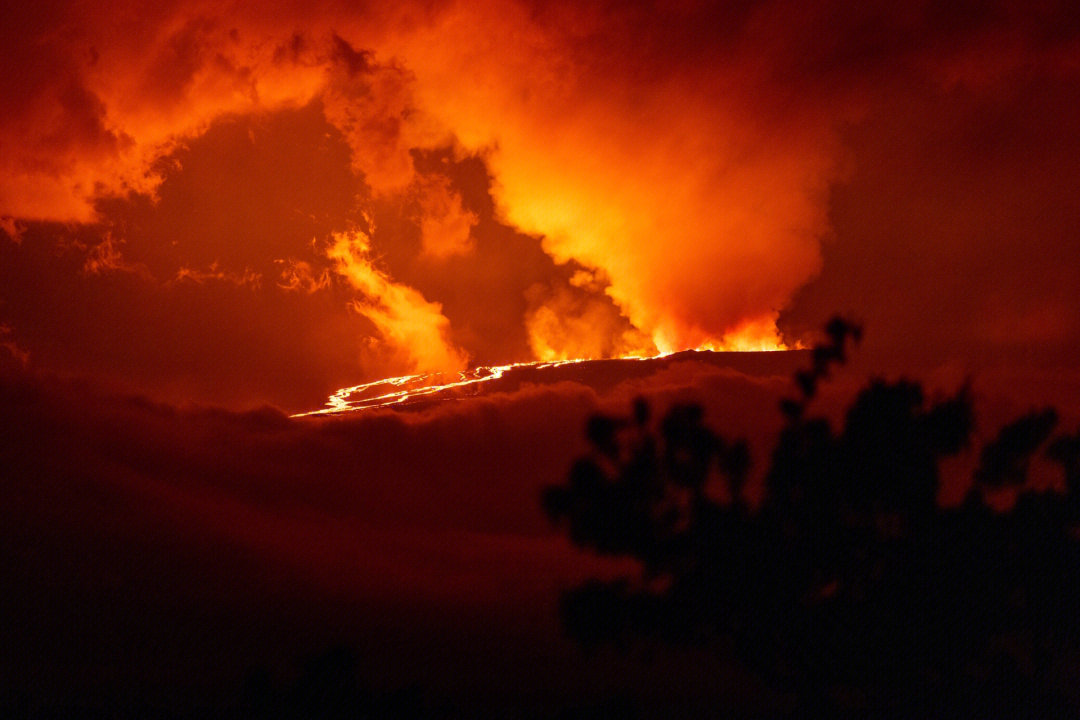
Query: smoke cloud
x=703 y=217
x=688 y=155
x=400 y=314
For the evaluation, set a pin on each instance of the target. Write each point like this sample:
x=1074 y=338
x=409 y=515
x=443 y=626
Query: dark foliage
x=848 y=586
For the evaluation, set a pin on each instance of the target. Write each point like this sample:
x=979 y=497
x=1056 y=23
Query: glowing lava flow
x=408 y=389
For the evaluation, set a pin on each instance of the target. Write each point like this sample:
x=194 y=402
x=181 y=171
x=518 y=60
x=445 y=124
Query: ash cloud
x=698 y=157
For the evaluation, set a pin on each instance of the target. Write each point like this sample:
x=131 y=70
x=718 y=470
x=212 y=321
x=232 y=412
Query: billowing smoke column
x=664 y=151
x=691 y=181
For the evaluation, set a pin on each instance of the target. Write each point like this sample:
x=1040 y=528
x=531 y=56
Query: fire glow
x=409 y=389
x=689 y=194
x=396 y=190
x=415 y=326
x=422 y=388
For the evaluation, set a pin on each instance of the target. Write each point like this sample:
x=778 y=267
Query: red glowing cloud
x=681 y=168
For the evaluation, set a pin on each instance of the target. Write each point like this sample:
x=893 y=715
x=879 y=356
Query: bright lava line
x=426 y=384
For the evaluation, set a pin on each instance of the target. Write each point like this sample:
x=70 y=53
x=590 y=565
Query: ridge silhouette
x=848 y=587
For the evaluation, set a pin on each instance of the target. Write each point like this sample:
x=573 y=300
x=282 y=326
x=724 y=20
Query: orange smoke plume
x=413 y=327
x=700 y=195
x=696 y=187
x=577 y=321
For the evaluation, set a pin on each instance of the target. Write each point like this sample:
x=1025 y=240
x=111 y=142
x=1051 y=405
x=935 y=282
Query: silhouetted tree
x=848 y=585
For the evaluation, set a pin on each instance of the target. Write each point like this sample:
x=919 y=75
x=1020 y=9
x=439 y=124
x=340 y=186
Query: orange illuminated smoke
x=415 y=327
x=693 y=194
